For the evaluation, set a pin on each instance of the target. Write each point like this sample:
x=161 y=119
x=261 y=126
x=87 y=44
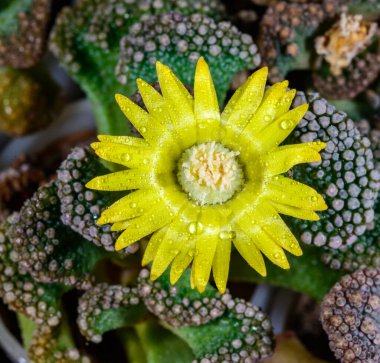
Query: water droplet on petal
x=133 y=205
x=277 y=255
x=286 y=124
x=143 y=130
x=225 y=235
x=314 y=198
x=195 y=228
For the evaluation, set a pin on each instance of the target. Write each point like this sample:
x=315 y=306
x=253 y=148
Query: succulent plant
x=179 y=41
x=46 y=248
x=88 y=46
x=53 y=346
x=197 y=187
x=285 y=31
x=81 y=208
x=23 y=28
x=28 y=100
x=349 y=55
x=217 y=327
x=105 y=307
x=40 y=303
x=178 y=305
x=350 y=317
x=346 y=175
x=86 y=40
x=17 y=183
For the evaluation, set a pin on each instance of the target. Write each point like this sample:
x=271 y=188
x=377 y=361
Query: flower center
x=210 y=173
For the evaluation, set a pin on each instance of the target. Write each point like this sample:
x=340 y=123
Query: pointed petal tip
x=140 y=82
x=285 y=83
x=145 y=260
x=262 y=272
x=201 y=288
x=119 y=245
x=201 y=60
x=221 y=288
x=154 y=276
x=173 y=278
x=102 y=220
x=91 y=184
x=95 y=145
x=263 y=72
x=160 y=67
x=119 y=97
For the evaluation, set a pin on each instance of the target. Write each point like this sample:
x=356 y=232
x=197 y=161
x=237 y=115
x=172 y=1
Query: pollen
x=210 y=173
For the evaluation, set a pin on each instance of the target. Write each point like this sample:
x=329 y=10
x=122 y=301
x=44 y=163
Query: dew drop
x=146 y=161
x=127 y=157
x=314 y=198
x=225 y=235
x=277 y=256
x=195 y=228
x=286 y=124
x=133 y=205
x=143 y=130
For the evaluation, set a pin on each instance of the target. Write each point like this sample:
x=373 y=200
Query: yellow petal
x=125 y=140
x=178 y=233
x=166 y=252
x=158 y=109
x=126 y=155
x=268 y=247
x=288 y=191
x=205 y=247
x=285 y=102
x=268 y=109
x=153 y=245
x=122 y=180
x=182 y=260
x=206 y=106
x=132 y=205
x=276 y=132
x=244 y=103
x=283 y=158
x=295 y=212
x=221 y=263
x=179 y=104
x=250 y=252
x=137 y=228
x=140 y=119
x=276 y=228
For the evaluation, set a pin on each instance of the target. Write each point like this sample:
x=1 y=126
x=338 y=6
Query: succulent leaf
x=346 y=176
x=80 y=207
x=86 y=40
x=108 y=307
x=350 y=316
x=47 y=249
x=20 y=292
x=23 y=28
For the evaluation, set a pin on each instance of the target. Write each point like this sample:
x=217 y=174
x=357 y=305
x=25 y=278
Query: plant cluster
x=187 y=177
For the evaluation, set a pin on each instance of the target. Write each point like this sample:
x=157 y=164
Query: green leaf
x=307 y=274
x=162 y=346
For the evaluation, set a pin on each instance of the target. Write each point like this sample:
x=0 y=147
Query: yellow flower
x=201 y=180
